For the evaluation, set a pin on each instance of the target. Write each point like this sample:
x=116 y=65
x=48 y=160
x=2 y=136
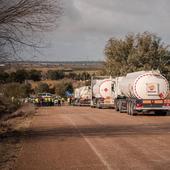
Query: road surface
x=64 y=138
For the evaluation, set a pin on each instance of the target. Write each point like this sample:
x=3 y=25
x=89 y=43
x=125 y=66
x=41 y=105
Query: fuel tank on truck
x=144 y=85
x=103 y=88
x=96 y=88
x=85 y=92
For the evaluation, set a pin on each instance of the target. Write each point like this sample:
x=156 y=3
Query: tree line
x=21 y=75
x=23 y=90
x=11 y=94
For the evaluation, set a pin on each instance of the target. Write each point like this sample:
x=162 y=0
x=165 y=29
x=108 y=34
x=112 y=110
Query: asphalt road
x=62 y=138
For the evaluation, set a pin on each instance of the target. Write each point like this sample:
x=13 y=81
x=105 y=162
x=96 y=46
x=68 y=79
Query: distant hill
x=57 y=62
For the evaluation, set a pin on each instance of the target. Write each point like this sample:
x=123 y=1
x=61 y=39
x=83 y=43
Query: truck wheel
x=132 y=111
x=131 y=108
x=98 y=105
x=163 y=113
x=116 y=106
x=120 y=107
x=160 y=113
x=128 y=108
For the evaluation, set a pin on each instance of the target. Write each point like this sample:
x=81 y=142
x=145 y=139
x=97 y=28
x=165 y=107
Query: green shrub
x=35 y=75
x=55 y=74
x=42 y=88
x=8 y=106
x=16 y=90
x=63 y=86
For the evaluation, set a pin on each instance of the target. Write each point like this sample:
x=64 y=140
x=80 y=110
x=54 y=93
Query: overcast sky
x=86 y=25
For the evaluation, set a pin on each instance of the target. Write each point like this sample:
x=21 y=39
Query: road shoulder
x=11 y=127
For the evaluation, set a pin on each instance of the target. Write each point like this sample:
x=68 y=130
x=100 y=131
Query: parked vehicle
x=82 y=96
x=44 y=95
x=102 y=92
x=142 y=91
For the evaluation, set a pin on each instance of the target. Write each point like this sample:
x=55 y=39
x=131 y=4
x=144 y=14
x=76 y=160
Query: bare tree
x=20 y=19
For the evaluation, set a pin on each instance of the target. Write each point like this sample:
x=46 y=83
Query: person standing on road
x=56 y=101
x=37 y=101
x=59 y=102
x=46 y=101
x=68 y=100
x=49 y=101
x=52 y=101
x=62 y=101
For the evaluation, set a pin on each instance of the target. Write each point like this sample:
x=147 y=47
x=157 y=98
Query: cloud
x=87 y=24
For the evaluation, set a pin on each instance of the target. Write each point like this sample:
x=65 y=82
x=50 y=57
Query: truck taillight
x=139 y=105
x=166 y=102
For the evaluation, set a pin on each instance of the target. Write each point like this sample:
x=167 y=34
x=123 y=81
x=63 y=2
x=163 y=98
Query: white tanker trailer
x=82 y=96
x=142 y=91
x=102 y=92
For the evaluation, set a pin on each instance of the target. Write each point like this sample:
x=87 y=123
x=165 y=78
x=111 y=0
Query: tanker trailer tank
x=82 y=96
x=142 y=91
x=85 y=96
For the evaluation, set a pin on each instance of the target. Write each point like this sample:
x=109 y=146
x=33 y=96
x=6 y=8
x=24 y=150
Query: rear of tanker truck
x=144 y=91
x=102 y=92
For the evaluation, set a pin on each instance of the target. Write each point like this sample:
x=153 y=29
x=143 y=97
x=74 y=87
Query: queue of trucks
x=134 y=93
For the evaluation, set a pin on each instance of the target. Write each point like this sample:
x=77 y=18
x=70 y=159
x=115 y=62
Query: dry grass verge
x=11 y=145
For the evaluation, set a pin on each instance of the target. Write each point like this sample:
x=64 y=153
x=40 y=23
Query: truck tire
x=120 y=107
x=116 y=106
x=128 y=107
x=132 y=111
x=98 y=105
x=160 y=113
x=163 y=113
x=92 y=105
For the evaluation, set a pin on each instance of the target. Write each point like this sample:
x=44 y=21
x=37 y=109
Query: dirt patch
x=15 y=123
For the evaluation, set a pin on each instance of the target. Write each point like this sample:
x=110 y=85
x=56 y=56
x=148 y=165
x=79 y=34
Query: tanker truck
x=142 y=91
x=82 y=96
x=102 y=92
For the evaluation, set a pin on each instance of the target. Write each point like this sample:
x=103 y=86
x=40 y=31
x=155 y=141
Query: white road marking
x=99 y=155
